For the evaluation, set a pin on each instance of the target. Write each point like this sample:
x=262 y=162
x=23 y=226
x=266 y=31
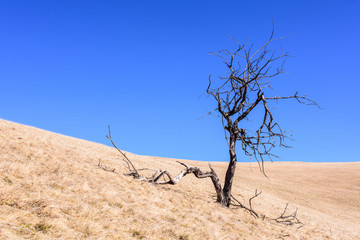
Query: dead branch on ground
x=158 y=173
x=161 y=176
x=290 y=219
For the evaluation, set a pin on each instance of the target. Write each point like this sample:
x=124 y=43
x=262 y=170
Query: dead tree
x=245 y=87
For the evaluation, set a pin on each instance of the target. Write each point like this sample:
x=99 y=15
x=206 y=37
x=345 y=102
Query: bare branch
x=256 y=195
x=129 y=164
x=301 y=99
x=250 y=209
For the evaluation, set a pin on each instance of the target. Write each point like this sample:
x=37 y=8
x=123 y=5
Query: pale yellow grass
x=51 y=188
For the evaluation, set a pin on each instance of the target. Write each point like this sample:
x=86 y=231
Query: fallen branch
x=290 y=219
x=161 y=176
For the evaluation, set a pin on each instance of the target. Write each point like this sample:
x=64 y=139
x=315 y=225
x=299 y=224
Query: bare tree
x=244 y=88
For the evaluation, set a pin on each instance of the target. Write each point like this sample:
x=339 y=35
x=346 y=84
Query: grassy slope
x=50 y=187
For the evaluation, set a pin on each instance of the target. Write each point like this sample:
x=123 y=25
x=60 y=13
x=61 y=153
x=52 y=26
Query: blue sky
x=73 y=67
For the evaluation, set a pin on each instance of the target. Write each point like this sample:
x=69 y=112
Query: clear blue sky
x=73 y=67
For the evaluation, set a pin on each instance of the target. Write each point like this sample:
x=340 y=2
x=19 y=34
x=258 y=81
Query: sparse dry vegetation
x=52 y=188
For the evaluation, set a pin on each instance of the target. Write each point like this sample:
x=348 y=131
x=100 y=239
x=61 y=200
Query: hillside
x=51 y=188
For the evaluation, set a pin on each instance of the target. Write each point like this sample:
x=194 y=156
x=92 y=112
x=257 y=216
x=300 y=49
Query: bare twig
x=105 y=168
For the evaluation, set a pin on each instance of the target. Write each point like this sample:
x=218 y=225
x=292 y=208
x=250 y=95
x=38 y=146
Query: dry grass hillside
x=51 y=188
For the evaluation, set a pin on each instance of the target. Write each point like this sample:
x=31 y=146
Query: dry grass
x=51 y=188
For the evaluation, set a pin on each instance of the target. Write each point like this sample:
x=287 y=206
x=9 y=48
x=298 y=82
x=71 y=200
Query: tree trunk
x=230 y=172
